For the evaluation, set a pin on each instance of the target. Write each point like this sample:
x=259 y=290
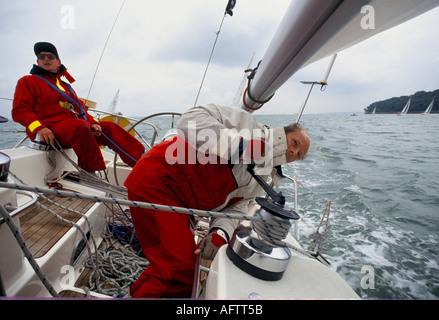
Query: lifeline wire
x=210 y=58
x=153 y=206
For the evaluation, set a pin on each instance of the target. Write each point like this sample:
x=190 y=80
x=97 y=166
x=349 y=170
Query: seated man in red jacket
x=47 y=106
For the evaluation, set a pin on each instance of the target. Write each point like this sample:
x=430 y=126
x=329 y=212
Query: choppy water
x=381 y=174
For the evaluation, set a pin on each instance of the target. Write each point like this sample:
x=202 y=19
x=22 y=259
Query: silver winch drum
x=248 y=252
x=255 y=257
x=39 y=145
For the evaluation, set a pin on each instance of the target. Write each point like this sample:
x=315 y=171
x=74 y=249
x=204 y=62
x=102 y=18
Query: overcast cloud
x=158 y=51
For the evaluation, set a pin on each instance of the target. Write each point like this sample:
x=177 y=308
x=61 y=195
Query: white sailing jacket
x=222 y=131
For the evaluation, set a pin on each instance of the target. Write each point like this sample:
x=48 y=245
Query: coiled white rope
x=118 y=268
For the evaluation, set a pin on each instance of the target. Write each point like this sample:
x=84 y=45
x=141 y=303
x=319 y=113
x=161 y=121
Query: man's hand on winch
x=210 y=245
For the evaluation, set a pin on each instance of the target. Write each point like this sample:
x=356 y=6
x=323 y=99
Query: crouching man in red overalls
x=204 y=168
x=47 y=106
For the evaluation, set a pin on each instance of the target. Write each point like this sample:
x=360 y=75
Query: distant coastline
x=420 y=102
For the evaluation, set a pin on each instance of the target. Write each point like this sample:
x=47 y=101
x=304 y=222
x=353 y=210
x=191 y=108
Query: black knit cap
x=45 y=46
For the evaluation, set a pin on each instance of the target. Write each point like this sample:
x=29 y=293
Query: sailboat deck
x=83 y=281
x=42 y=230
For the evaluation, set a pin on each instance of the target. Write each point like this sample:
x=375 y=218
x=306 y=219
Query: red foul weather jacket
x=37 y=105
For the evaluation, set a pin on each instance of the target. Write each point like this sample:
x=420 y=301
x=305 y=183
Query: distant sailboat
x=406 y=108
x=430 y=106
x=374 y=110
x=113 y=104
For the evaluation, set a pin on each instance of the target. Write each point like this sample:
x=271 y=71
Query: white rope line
x=278 y=230
x=318 y=239
x=146 y=205
x=88 y=177
x=269 y=224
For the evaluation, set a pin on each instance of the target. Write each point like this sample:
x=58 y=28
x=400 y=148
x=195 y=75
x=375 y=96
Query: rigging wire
x=103 y=50
x=210 y=58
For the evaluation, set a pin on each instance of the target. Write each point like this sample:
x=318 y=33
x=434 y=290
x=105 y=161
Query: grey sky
x=158 y=51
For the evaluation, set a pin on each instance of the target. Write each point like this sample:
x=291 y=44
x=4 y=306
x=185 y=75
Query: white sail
x=406 y=107
x=314 y=29
x=374 y=110
x=112 y=107
x=430 y=106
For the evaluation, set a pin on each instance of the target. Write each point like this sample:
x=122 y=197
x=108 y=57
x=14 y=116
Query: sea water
x=381 y=174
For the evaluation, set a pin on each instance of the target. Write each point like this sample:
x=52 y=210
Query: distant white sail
x=406 y=107
x=113 y=104
x=374 y=110
x=430 y=106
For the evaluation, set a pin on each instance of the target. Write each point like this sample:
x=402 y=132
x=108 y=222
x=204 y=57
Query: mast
x=314 y=29
x=323 y=83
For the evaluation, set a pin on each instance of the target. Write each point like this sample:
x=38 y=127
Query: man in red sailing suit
x=188 y=172
x=47 y=106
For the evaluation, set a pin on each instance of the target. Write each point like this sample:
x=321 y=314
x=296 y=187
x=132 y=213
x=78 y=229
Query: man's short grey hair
x=294 y=127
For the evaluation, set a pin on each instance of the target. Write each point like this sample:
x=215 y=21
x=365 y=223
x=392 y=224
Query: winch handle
x=276 y=196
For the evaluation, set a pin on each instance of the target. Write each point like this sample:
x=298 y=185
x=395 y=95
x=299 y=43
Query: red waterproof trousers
x=166 y=237
x=76 y=134
x=169 y=247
